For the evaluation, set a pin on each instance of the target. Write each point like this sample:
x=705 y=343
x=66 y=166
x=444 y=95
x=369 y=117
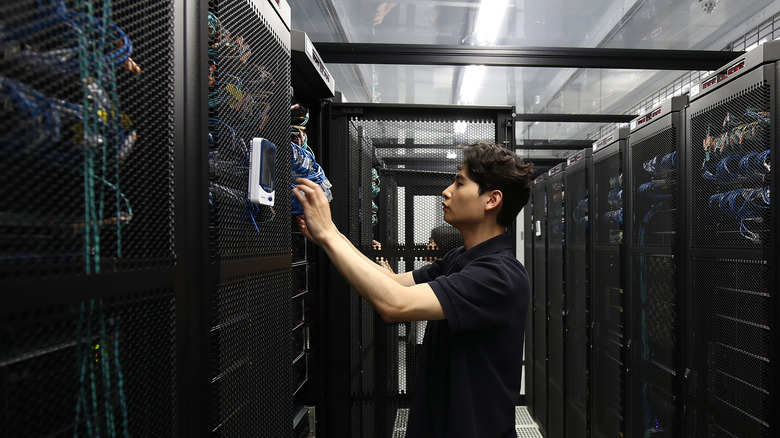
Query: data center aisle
x=524 y=424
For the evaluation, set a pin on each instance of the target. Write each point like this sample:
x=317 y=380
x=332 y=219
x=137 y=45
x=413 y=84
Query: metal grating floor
x=524 y=424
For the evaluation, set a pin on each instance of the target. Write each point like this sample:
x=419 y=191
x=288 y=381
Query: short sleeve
x=485 y=294
x=430 y=271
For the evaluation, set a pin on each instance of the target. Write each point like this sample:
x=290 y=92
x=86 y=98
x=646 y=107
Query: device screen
x=267 y=172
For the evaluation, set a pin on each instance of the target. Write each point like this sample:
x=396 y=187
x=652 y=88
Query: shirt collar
x=490 y=246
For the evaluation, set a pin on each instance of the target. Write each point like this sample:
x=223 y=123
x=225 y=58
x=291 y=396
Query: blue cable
x=303 y=165
x=657 y=189
x=661 y=164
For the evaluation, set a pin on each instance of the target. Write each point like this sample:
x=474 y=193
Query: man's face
x=463 y=205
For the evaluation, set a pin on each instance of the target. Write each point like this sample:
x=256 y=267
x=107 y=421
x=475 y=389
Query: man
x=475 y=298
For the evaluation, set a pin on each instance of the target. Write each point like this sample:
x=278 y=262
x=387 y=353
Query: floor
x=524 y=424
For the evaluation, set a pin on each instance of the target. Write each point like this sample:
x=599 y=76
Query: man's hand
x=316 y=223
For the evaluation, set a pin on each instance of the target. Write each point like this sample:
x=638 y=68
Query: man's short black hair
x=494 y=167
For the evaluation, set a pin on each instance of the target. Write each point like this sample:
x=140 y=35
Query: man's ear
x=494 y=200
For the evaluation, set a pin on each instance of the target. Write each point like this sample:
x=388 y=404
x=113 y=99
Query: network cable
x=304 y=165
x=657 y=189
x=661 y=164
x=735 y=168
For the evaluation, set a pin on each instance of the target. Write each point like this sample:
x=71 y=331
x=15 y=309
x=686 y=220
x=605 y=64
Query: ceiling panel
x=632 y=24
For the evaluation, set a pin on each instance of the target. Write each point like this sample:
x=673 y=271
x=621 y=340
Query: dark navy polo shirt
x=468 y=381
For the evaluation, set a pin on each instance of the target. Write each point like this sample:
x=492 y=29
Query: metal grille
x=576 y=295
x=607 y=360
x=94 y=368
x=539 y=195
x=731 y=340
x=251 y=356
x=607 y=201
x=654 y=311
x=249 y=96
x=415 y=160
x=654 y=190
x=654 y=406
x=555 y=323
x=86 y=142
x=607 y=299
x=730 y=171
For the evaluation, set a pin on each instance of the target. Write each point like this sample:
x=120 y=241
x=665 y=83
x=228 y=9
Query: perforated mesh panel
x=654 y=190
x=607 y=299
x=86 y=144
x=654 y=406
x=555 y=323
x=251 y=356
x=539 y=195
x=654 y=314
x=730 y=165
x=731 y=341
x=249 y=97
x=416 y=160
x=576 y=291
x=91 y=368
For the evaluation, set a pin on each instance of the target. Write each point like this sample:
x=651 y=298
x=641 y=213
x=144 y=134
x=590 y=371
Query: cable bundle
x=657 y=189
x=375 y=187
x=614 y=217
x=746 y=205
x=615 y=198
x=743 y=203
x=581 y=212
x=616 y=181
x=753 y=125
x=735 y=168
x=303 y=165
x=661 y=164
x=68 y=60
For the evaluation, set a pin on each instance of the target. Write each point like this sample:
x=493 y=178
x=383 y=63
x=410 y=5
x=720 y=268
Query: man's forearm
x=374 y=283
x=376 y=266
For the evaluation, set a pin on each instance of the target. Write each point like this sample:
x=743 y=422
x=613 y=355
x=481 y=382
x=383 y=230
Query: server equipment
x=730 y=364
x=88 y=308
x=414 y=153
x=608 y=341
x=654 y=280
x=576 y=290
x=528 y=359
x=311 y=84
x=556 y=306
x=540 y=303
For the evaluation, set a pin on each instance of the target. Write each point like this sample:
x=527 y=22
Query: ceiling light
x=490 y=16
x=472 y=82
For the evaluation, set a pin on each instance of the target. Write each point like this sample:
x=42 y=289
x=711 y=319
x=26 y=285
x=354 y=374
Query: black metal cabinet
x=733 y=246
x=607 y=361
x=577 y=290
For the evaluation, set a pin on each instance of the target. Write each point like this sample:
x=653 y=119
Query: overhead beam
x=576 y=118
x=509 y=56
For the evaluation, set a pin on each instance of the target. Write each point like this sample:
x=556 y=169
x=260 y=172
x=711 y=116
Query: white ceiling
x=634 y=24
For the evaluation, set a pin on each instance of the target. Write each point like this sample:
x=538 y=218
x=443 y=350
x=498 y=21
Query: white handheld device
x=262 y=171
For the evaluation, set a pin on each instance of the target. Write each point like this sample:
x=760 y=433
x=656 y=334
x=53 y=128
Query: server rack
x=252 y=371
x=608 y=341
x=311 y=85
x=540 y=374
x=576 y=291
x=556 y=342
x=411 y=148
x=655 y=283
x=731 y=383
x=142 y=289
x=528 y=361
